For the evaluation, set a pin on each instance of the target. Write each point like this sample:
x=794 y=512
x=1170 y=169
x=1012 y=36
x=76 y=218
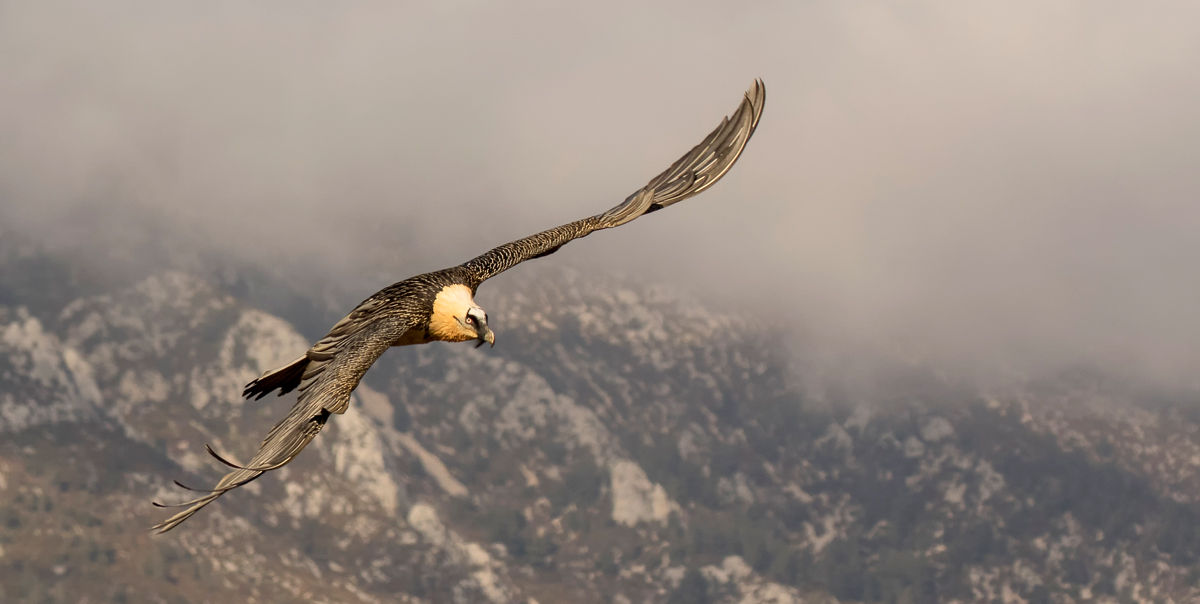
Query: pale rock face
x=258 y=342
x=639 y=322
x=44 y=381
x=954 y=494
x=433 y=466
x=358 y=455
x=936 y=429
x=837 y=436
x=424 y=519
x=673 y=576
x=378 y=412
x=141 y=386
x=612 y=374
x=526 y=412
x=742 y=488
x=144 y=322
x=798 y=493
x=311 y=502
x=833 y=526
x=990 y=483
x=732 y=568
x=913 y=447
x=770 y=593
x=744 y=586
x=736 y=490
x=533 y=404
x=859 y=419
x=692 y=442
x=635 y=498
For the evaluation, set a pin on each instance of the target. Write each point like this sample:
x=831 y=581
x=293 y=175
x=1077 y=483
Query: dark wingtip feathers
x=286 y=379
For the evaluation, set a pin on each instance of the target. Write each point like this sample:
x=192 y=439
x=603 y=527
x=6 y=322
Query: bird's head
x=456 y=317
x=476 y=320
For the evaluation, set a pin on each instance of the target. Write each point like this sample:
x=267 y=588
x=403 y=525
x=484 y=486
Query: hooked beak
x=487 y=336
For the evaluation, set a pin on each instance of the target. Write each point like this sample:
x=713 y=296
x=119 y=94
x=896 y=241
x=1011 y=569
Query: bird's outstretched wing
x=325 y=376
x=698 y=170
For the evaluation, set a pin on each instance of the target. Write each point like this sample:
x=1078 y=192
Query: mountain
x=620 y=444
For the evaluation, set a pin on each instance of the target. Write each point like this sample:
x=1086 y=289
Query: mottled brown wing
x=289 y=377
x=333 y=369
x=703 y=166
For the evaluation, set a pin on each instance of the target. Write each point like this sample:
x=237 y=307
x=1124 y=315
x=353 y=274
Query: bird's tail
x=238 y=477
x=286 y=379
x=177 y=519
x=281 y=446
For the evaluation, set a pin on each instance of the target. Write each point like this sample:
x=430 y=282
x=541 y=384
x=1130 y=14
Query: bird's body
x=440 y=306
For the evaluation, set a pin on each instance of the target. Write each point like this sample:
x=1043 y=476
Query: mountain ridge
x=620 y=444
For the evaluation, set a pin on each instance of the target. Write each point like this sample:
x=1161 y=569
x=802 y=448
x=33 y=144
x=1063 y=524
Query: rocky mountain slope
x=619 y=444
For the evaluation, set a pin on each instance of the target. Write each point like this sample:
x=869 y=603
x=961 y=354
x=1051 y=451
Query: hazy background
x=1004 y=188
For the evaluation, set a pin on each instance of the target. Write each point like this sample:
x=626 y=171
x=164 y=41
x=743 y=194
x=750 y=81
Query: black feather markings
x=286 y=379
x=548 y=252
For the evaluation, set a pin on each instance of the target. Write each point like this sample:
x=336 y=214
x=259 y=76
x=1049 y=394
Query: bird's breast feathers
x=450 y=305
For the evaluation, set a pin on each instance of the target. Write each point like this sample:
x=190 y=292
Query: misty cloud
x=1007 y=186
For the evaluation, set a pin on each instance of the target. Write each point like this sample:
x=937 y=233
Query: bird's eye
x=470 y=320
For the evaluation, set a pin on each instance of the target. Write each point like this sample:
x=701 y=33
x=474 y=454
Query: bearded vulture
x=441 y=306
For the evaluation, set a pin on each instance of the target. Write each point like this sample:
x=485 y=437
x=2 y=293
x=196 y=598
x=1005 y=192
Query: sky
x=1005 y=188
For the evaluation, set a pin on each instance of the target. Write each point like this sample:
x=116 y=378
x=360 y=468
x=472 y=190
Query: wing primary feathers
x=691 y=174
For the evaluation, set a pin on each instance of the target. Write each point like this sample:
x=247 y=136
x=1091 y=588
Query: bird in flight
x=441 y=306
